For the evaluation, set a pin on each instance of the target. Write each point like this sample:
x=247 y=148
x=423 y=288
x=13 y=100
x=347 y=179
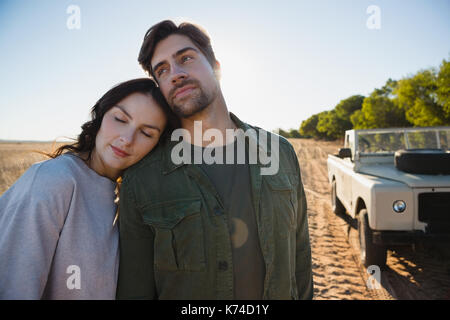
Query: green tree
x=330 y=125
x=418 y=97
x=344 y=110
x=443 y=88
x=387 y=90
x=420 y=100
x=294 y=133
x=308 y=128
x=380 y=110
x=347 y=107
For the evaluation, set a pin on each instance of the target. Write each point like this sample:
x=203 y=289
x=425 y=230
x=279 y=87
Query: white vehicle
x=396 y=182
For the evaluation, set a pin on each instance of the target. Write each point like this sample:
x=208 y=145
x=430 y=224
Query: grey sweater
x=57 y=239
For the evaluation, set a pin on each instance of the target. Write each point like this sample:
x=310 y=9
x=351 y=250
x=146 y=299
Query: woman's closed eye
x=147 y=134
x=119 y=120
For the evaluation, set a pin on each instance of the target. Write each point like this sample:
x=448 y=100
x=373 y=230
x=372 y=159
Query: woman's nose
x=127 y=137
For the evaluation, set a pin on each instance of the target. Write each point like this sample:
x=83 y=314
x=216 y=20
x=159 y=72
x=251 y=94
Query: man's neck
x=215 y=116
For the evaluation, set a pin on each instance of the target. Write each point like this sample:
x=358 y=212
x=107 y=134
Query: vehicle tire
x=423 y=161
x=336 y=204
x=370 y=253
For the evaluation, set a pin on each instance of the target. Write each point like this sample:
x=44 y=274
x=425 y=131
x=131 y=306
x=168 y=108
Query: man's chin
x=185 y=112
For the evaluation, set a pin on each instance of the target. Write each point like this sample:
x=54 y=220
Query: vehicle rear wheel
x=370 y=253
x=336 y=204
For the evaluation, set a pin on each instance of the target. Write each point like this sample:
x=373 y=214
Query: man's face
x=185 y=77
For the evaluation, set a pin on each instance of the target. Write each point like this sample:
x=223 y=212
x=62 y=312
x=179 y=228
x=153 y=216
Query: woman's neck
x=95 y=163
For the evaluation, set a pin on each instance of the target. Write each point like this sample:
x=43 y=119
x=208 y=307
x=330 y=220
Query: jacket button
x=223 y=265
x=218 y=211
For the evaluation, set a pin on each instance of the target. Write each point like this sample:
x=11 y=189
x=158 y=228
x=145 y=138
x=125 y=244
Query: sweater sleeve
x=32 y=215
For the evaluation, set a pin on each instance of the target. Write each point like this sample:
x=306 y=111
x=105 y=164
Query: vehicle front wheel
x=370 y=253
x=336 y=204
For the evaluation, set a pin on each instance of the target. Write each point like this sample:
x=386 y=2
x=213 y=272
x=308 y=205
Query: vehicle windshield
x=389 y=142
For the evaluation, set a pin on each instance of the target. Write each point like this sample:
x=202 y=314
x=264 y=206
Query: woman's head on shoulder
x=126 y=123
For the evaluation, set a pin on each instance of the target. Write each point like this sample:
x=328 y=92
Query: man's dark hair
x=162 y=30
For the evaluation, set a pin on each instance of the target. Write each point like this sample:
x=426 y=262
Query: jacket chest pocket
x=179 y=242
x=282 y=200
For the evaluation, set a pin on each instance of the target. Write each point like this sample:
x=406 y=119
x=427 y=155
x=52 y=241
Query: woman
x=57 y=236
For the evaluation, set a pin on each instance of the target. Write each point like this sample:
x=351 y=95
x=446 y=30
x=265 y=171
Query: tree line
x=420 y=100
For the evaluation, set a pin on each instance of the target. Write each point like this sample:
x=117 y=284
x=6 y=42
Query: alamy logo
x=374 y=20
x=74 y=280
x=258 y=147
x=74 y=20
x=374 y=280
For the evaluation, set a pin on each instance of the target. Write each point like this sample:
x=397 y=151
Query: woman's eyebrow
x=124 y=111
x=152 y=127
x=129 y=116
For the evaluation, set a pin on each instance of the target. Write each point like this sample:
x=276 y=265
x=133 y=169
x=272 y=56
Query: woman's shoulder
x=62 y=167
x=60 y=173
x=43 y=182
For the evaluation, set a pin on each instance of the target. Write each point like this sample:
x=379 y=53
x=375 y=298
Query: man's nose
x=178 y=74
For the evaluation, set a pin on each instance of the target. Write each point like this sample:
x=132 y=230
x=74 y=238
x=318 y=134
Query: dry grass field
x=17 y=157
x=421 y=272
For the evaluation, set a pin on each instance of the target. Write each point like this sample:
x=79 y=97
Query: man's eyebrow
x=181 y=51
x=128 y=115
x=176 y=54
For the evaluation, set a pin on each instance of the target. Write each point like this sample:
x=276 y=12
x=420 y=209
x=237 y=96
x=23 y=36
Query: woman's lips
x=119 y=152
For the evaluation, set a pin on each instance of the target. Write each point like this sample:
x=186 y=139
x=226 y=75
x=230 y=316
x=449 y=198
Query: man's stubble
x=194 y=104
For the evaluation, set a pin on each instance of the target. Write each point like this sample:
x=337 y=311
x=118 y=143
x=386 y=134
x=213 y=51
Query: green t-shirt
x=232 y=182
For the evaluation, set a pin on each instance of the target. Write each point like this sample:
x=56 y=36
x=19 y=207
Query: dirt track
x=414 y=272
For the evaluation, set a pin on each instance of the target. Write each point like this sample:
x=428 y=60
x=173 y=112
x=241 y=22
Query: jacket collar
x=252 y=135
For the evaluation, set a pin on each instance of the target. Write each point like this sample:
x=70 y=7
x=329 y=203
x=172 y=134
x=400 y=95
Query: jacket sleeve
x=136 y=275
x=303 y=267
x=32 y=215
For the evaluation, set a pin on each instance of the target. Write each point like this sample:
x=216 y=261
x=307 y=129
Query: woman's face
x=129 y=130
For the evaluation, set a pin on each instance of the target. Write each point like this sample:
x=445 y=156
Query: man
x=197 y=230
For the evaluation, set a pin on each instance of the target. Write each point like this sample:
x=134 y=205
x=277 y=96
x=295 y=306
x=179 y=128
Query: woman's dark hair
x=85 y=142
x=165 y=28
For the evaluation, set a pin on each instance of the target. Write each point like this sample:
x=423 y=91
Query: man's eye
x=120 y=120
x=186 y=58
x=160 y=71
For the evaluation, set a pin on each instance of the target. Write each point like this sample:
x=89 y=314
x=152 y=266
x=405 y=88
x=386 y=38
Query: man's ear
x=217 y=72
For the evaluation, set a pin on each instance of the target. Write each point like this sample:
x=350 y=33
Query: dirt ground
x=421 y=271
x=415 y=272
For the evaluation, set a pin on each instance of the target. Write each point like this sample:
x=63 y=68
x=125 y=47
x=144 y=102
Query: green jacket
x=174 y=237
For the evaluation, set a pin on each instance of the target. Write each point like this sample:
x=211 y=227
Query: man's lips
x=119 y=152
x=183 y=91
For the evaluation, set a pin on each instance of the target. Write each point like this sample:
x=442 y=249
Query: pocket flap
x=168 y=214
x=279 y=182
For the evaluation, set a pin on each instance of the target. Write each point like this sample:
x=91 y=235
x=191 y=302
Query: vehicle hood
x=389 y=171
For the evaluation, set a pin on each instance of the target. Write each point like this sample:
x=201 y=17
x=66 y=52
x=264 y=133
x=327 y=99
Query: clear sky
x=282 y=61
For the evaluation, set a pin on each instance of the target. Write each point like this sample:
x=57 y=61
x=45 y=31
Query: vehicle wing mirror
x=345 y=153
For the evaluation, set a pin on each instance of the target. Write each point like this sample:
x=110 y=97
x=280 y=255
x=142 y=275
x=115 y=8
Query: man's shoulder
x=151 y=161
x=284 y=144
